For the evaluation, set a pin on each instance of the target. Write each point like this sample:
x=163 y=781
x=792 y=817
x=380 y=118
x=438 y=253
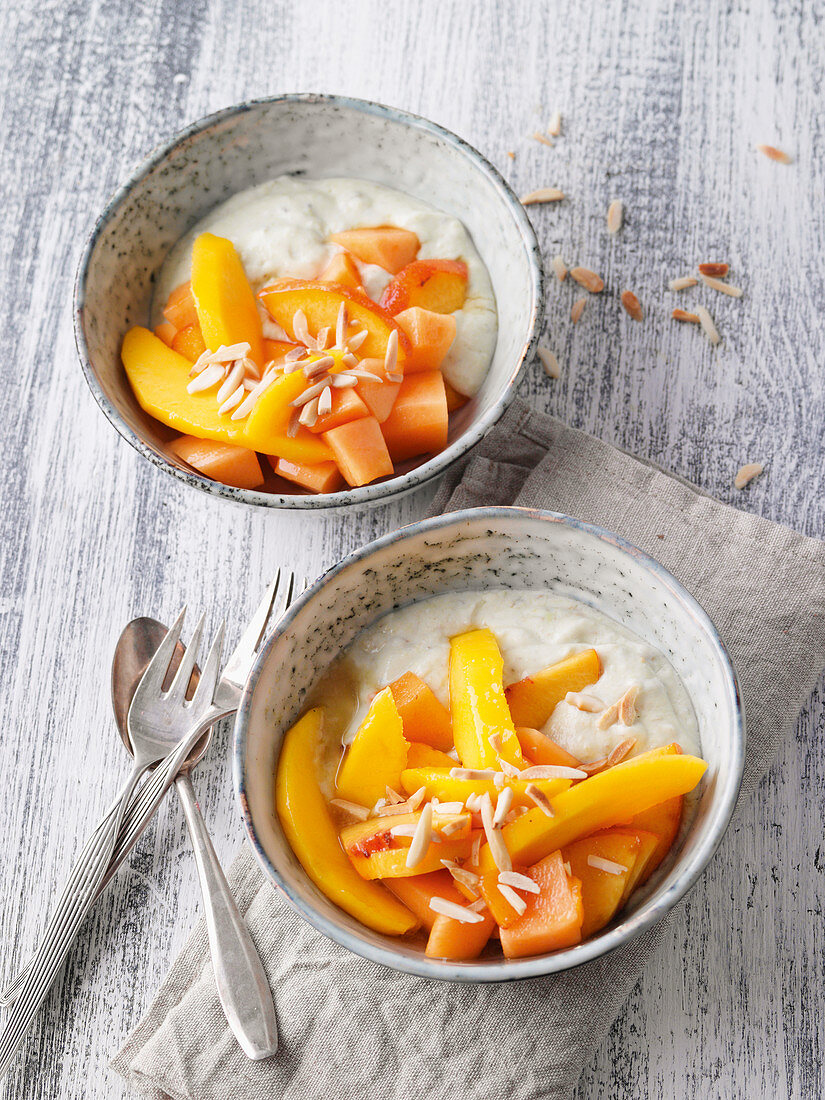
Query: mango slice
x=602 y=891
x=543 y=750
x=553 y=918
x=227 y=311
x=265 y=429
x=608 y=798
x=424 y=716
x=477 y=702
x=663 y=820
x=533 y=699
x=441 y=785
x=312 y=836
x=320 y=303
x=377 y=755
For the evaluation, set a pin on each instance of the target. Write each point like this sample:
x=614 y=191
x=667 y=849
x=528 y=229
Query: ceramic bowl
x=477 y=549
x=315 y=136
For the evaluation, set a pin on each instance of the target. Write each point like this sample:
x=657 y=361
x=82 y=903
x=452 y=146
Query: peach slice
x=437 y=285
x=430 y=336
x=189 y=342
x=602 y=890
x=664 y=821
x=417 y=891
x=385 y=245
x=342 y=270
x=424 y=716
x=543 y=750
x=320 y=304
x=375 y=853
x=180 y=309
x=533 y=699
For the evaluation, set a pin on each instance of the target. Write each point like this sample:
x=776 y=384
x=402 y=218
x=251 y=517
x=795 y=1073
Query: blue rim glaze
x=380 y=491
x=493 y=970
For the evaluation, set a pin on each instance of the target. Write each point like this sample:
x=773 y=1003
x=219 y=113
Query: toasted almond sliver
x=708 y=327
x=475 y=850
x=717 y=270
x=554 y=125
x=582 y=701
x=472 y=773
x=560 y=268
x=494 y=741
x=627 y=707
x=206 y=379
x=550 y=771
x=608 y=865
x=615 y=215
x=309 y=413
x=632 y=305
x=509 y=894
x=746 y=474
x=355 y=342
x=450 y=807
x=403 y=830
x=354 y=809
x=457 y=912
x=393 y=797
x=508 y=769
x=478 y=906
x=683 y=315
x=469 y=879
x=682 y=283
x=542 y=194
x=540 y=799
x=577 y=310
x=233 y=400
x=594 y=766
x=422 y=837
x=549 y=362
x=498 y=849
x=519 y=881
x=588 y=279
x=608 y=717
x=724 y=288
x=503 y=804
x=773 y=153
x=325 y=402
x=539 y=136
x=617 y=755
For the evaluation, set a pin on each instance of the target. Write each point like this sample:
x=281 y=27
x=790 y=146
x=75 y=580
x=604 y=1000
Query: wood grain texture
x=663 y=104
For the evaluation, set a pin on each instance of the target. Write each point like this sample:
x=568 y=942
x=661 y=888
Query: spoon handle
x=242 y=984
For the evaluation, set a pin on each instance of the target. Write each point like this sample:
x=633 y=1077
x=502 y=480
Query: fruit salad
x=461 y=820
x=329 y=373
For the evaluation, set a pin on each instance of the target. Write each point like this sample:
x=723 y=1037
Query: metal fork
x=226 y=699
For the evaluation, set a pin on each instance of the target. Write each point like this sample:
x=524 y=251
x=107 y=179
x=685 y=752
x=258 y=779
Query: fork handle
x=242 y=984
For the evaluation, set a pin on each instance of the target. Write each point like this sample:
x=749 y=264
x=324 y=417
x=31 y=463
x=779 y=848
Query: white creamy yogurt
x=282 y=228
x=534 y=630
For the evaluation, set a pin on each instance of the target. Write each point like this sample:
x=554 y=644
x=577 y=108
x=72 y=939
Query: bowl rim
x=378 y=492
x=649 y=914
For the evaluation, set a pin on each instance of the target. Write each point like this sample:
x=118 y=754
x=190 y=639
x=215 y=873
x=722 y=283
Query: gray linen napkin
x=352 y=1029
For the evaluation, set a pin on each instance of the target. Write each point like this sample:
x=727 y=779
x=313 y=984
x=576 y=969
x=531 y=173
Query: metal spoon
x=239 y=974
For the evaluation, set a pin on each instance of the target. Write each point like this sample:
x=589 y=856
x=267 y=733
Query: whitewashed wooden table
x=662 y=107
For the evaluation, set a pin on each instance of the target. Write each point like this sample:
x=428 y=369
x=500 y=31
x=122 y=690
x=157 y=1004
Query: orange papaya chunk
x=533 y=699
x=386 y=246
x=424 y=716
x=224 y=462
x=325 y=477
x=341 y=270
x=180 y=310
x=437 y=285
x=430 y=335
x=189 y=342
x=379 y=397
x=455 y=940
x=165 y=331
x=602 y=887
x=503 y=911
x=543 y=750
x=360 y=451
x=227 y=310
x=419 y=422
x=664 y=821
x=346 y=406
x=417 y=891
x=553 y=917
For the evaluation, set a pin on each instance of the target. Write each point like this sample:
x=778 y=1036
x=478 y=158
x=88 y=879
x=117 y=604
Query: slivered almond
x=773 y=153
x=509 y=895
x=594 y=766
x=468 y=879
x=582 y=701
x=452 y=827
x=540 y=799
x=554 y=125
x=588 y=279
x=393 y=797
x=615 y=215
x=683 y=315
x=472 y=773
x=682 y=283
x=577 y=310
x=508 y=768
x=718 y=271
x=549 y=771
x=477 y=906
x=608 y=865
x=494 y=740
x=354 y=809
x=519 y=881
x=450 y=807
x=498 y=849
x=746 y=474
x=403 y=830
x=632 y=304
x=549 y=362
x=627 y=706
x=421 y=838
x=539 y=136
x=724 y=288
x=617 y=754
x=708 y=327
x=503 y=804
x=559 y=267
x=608 y=717
x=456 y=912
x=542 y=194
x=475 y=850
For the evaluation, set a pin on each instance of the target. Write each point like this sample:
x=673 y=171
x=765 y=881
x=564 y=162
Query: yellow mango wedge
x=227 y=310
x=603 y=892
x=477 y=702
x=377 y=755
x=533 y=699
x=265 y=429
x=607 y=798
x=305 y=819
x=159 y=377
x=441 y=785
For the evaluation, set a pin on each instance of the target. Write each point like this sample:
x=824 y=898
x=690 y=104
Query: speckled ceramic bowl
x=315 y=136
x=489 y=548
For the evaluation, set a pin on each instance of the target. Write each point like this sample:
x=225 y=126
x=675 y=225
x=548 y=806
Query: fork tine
x=210 y=671
x=151 y=683
x=278 y=607
x=178 y=687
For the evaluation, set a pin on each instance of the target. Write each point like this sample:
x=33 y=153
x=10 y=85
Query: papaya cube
x=377 y=755
x=431 y=336
x=662 y=820
x=385 y=245
x=602 y=890
x=503 y=911
x=360 y=450
x=325 y=477
x=346 y=406
x=224 y=462
x=533 y=699
x=419 y=421
x=543 y=750
x=477 y=703
x=553 y=917
x=379 y=397
x=342 y=271
x=455 y=940
x=437 y=285
x=424 y=716
x=165 y=331
x=189 y=342
x=180 y=309
x=417 y=891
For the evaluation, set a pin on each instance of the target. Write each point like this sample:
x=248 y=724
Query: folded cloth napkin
x=352 y=1029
